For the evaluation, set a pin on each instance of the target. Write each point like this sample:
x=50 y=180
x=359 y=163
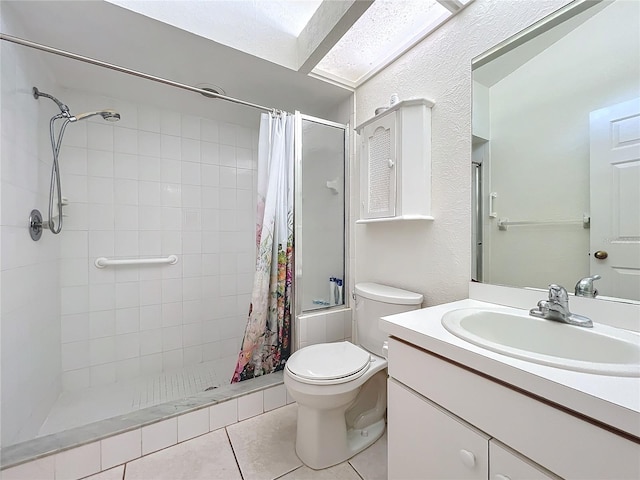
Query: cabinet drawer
x=427 y=442
x=562 y=443
x=506 y=464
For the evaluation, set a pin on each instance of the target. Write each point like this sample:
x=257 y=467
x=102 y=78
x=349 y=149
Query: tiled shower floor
x=77 y=408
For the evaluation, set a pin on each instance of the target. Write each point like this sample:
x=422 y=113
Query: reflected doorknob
x=601 y=254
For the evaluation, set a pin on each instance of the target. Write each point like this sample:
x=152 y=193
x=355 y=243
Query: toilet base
x=337 y=421
x=357 y=440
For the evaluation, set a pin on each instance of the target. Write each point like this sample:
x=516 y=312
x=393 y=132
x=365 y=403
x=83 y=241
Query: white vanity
x=458 y=411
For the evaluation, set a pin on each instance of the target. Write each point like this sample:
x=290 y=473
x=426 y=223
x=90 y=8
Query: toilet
x=341 y=388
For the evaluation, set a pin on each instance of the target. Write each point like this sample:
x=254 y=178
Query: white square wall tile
x=42 y=469
x=75 y=328
x=76 y=380
x=103 y=374
x=316 y=330
x=335 y=326
x=159 y=435
x=209 y=130
x=190 y=127
x=148 y=119
x=193 y=424
x=121 y=448
x=250 y=405
x=78 y=462
x=275 y=397
x=99 y=137
x=75 y=355
x=223 y=414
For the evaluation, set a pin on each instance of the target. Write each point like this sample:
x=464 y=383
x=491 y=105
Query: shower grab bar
x=103 y=262
x=503 y=223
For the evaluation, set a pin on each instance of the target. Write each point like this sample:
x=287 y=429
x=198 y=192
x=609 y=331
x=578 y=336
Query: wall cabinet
x=440 y=412
x=395 y=164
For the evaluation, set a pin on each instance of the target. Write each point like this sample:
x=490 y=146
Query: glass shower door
x=320 y=213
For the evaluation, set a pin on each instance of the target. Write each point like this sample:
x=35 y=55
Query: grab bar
x=105 y=262
x=503 y=223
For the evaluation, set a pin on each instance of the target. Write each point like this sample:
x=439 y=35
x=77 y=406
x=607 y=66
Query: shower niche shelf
x=395 y=164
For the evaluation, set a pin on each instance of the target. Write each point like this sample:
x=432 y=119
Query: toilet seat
x=329 y=363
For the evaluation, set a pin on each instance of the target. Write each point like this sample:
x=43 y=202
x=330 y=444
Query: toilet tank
x=374 y=301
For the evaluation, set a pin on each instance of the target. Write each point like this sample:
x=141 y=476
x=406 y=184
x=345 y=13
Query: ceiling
x=510 y=58
x=342 y=41
x=115 y=35
x=306 y=55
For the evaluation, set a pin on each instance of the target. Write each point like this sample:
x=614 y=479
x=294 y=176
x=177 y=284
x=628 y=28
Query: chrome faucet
x=557 y=308
x=584 y=287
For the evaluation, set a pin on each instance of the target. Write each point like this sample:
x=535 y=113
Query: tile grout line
x=354 y=468
x=234 y=452
x=290 y=471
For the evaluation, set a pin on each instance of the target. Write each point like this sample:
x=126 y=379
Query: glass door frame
x=298 y=248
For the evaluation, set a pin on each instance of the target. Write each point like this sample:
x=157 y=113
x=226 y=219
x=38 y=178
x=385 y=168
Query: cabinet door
x=378 y=168
x=426 y=442
x=505 y=464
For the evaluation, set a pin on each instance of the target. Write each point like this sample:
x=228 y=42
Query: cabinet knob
x=391 y=163
x=498 y=476
x=468 y=458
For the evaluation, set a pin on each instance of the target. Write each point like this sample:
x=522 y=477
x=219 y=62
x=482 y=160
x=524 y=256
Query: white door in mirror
x=615 y=199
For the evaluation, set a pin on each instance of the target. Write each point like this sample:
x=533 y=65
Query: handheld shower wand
x=36 y=223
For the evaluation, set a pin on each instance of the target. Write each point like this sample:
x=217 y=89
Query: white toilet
x=341 y=388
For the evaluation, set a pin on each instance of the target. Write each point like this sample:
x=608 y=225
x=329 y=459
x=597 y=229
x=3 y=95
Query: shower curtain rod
x=128 y=71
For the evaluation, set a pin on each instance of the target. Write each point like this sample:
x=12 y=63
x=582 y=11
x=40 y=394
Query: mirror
x=556 y=152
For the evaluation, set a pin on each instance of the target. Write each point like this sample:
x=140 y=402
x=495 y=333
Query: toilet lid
x=328 y=361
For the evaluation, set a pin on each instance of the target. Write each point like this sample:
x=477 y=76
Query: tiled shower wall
x=156 y=183
x=29 y=294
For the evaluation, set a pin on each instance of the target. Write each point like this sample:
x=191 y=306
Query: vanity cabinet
x=395 y=164
x=505 y=464
x=438 y=410
x=440 y=446
x=443 y=446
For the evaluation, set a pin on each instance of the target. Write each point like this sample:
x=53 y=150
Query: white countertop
x=614 y=401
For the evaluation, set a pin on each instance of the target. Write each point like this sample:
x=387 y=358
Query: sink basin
x=602 y=350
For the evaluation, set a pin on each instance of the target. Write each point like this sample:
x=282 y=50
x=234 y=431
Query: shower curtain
x=266 y=344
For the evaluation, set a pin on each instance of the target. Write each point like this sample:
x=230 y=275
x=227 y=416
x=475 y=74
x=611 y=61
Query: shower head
x=108 y=115
x=63 y=108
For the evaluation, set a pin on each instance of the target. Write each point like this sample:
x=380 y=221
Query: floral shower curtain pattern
x=266 y=343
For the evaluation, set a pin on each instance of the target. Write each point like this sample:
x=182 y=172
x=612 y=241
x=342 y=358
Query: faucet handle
x=558 y=294
x=584 y=287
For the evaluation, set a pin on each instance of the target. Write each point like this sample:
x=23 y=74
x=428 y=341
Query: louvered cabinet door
x=378 y=168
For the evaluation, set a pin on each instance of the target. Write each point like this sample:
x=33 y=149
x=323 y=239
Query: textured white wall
x=557 y=89
x=30 y=325
x=435 y=258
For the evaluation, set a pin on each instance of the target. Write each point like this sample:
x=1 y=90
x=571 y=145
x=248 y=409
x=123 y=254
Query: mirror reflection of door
x=615 y=199
x=532 y=99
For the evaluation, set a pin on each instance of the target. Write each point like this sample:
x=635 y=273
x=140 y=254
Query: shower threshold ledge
x=19 y=453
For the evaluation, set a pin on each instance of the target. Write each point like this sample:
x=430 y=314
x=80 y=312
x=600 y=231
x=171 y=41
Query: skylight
x=383 y=33
x=268 y=29
x=341 y=42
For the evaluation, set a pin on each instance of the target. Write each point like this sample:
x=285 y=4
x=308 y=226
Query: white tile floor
x=77 y=408
x=259 y=448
